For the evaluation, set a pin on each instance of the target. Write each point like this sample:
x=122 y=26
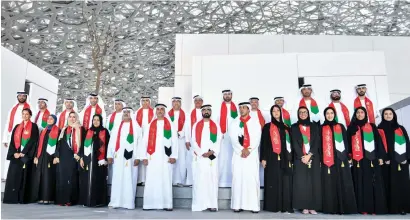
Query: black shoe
x=139 y=184
x=255 y=212
x=236 y=210
x=212 y=210
x=168 y=210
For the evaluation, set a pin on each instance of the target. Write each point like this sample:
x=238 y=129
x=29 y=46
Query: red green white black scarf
x=87 y=115
x=130 y=136
x=224 y=114
x=357 y=146
x=88 y=142
x=61 y=121
x=12 y=113
x=369 y=108
x=51 y=142
x=261 y=119
x=314 y=109
x=345 y=112
x=181 y=118
x=327 y=141
x=305 y=138
x=200 y=127
x=140 y=114
x=399 y=141
x=152 y=135
x=22 y=135
x=286 y=117
x=43 y=118
x=246 y=137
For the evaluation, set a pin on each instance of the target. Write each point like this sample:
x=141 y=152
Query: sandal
x=305 y=211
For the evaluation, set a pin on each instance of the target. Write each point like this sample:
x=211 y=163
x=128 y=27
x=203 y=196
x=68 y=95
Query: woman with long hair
x=67 y=159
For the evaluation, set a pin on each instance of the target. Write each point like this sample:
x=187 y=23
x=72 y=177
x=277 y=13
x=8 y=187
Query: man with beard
x=14 y=118
x=280 y=101
x=342 y=112
x=70 y=105
x=228 y=113
x=42 y=116
x=308 y=102
x=93 y=106
x=364 y=101
x=206 y=143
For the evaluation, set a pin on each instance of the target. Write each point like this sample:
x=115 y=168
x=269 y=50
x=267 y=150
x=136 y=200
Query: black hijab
x=305 y=121
x=393 y=124
x=99 y=128
x=279 y=123
x=356 y=122
x=327 y=122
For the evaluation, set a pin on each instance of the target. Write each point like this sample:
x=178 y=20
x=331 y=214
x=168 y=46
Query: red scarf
x=71 y=131
x=224 y=114
x=246 y=137
x=112 y=119
x=44 y=118
x=22 y=134
x=61 y=120
x=345 y=112
x=275 y=138
x=130 y=133
x=286 y=117
x=357 y=146
x=53 y=134
x=102 y=136
x=383 y=137
x=87 y=115
x=369 y=108
x=193 y=117
x=261 y=119
x=140 y=114
x=305 y=134
x=181 y=118
x=199 y=128
x=327 y=147
x=152 y=136
x=313 y=103
x=13 y=112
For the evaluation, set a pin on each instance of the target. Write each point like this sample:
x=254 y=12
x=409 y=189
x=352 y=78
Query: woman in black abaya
x=93 y=172
x=367 y=153
x=276 y=159
x=396 y=168
x=338 y=192
x=307 y=190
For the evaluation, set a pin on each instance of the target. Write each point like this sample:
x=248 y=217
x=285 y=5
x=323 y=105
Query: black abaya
x=93 y=177
x=307 y=191
x=338 y=191
x=44 y=175
x=18 y=181
x=367 y=177
x=278 y=173
x=67 y=172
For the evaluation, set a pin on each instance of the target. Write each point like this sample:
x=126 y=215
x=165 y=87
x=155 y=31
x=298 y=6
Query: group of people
x=341 y=165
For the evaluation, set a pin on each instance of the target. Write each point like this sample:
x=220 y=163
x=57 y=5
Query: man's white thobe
x=145 y=123
x=124 y=184
x=117 y=122
x=190 y=156
x=254 y=116
x=90 y=122
x=158 y=180
x=339 y=113
x=180 y=167
x=39 y=120
x=225 y=154
x=205 y=188
x=18 y=118
x=245 y=182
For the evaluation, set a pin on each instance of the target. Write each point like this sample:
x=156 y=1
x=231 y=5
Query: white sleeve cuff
x=102 y=162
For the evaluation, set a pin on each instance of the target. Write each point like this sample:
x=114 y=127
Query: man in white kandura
x=161 y=141
x=177 y=116
x=42 y=115
x=123 y=153
x=206 y=143
x=94 y=105
x=245 y=135
x=145 y=114
x=194 y=117
x=228 y=113
x=342 y=112
x=115 y=118
x=69 y=105
x=14 y=118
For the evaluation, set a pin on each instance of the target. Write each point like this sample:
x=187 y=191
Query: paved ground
x=77 y=212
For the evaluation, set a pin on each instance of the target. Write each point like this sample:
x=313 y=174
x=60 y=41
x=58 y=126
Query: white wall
x=396 y=49
x=15 y=71
x=165 y=95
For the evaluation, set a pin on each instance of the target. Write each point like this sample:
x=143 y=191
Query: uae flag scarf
x=345 y=112
x=244 y=126
x=314 y=109
x=399 y=144
x=87 y=115
x=140 y=114
x=305 y=139
x=111 y=122
x=89 y=140
x=43 y=118
x=286 y=117
x=200 y=127
x=233 y=113
x=327 y=140
x=261 y=119
x=152 y=135
x=357 y=146
x=181 y=118
x=130 y=137
x=74 y=143
x=61 y=120
x=51 y=142
x=12 y=113
x=369 y=108
x=22 y=135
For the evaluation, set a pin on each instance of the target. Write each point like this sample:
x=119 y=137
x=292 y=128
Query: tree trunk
x=98 y=82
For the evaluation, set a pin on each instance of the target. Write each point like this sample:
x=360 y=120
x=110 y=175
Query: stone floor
x=35 y=211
